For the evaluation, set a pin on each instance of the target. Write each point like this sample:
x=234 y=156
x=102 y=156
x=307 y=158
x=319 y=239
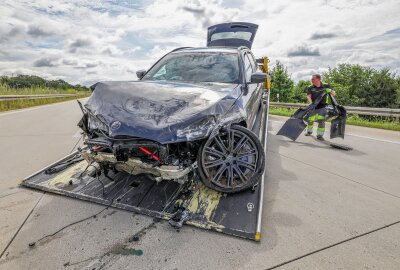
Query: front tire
x=231 y=161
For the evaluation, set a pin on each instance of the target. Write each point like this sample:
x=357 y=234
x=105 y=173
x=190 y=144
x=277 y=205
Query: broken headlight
x=96 y=124
x=198 y=129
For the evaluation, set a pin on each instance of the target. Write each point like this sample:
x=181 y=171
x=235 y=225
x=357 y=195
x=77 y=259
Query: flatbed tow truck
x=191 y=203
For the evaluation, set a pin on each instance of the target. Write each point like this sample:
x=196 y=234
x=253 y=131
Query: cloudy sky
x=84 y=41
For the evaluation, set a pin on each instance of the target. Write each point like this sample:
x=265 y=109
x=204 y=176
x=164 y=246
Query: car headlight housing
x=96 y=124
x=198 y=129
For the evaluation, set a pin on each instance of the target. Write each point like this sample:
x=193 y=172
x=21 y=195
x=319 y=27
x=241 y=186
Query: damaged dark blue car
x=188 y=115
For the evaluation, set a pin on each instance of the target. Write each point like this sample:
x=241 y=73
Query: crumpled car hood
x=162 y=111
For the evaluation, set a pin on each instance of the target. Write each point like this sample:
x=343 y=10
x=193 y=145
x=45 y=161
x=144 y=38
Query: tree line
x=28 y=81
x=355 y=85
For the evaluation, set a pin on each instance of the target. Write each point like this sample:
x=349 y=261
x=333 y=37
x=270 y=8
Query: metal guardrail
x=386 y=112
x=18 y=97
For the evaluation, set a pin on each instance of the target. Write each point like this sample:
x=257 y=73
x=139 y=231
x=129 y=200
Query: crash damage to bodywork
x=155 y=127
x=135 y=166
x=164 y=112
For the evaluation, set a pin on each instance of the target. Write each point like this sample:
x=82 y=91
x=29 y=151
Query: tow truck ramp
x=190 y=203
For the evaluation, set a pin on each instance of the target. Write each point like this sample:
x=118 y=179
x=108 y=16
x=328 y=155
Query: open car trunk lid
x=234 y=34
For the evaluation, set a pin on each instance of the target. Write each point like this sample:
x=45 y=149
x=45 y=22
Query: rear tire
x=231 y=161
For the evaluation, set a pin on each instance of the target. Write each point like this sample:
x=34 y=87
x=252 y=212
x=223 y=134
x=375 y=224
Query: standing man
x=314 y=92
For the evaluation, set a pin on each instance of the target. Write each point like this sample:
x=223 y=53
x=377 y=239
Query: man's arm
x=329 y=89
x=309 y=98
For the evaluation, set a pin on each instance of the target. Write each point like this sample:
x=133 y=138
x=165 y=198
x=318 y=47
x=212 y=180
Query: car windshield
x=197 y=67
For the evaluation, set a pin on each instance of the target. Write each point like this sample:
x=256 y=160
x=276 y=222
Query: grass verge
x=8 y=105
x=35 y=90
x=352 y=119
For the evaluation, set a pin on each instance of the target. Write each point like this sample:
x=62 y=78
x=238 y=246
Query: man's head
x=316 y=80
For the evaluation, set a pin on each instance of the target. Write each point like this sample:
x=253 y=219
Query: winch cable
x=73 y=148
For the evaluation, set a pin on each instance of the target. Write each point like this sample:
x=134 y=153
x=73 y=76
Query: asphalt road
x=323 y=208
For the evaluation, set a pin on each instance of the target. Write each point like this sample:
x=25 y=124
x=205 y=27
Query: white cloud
x=85 y=41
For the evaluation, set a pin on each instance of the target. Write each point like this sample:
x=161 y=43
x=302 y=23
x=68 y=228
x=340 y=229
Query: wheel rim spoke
x=240 y=144
x=219 y=173
x=214 y=163
x=239 y=172
x=246 y=164
x=220 y=144
x=214 y=152
x=231 y=140
x=230 y=177
x=248 y=153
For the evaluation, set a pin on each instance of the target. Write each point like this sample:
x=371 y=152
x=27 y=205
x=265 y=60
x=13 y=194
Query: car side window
x=161 y=72
x=248 y=69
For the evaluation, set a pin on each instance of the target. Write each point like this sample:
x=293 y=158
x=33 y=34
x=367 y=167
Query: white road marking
x=371 y=138
x=26 y=110
x=354 y=135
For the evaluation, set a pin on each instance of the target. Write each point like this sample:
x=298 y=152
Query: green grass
x=281 y=111
x=37 y=90
x=8 y=105
x=353 y=119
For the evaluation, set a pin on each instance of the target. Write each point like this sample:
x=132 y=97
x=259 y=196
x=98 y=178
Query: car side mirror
x=258 y=77
x=140 y=73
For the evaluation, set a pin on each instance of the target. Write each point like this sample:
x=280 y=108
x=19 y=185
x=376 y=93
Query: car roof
x=209 y=49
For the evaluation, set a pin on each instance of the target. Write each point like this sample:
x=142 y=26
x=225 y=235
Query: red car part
x=147 y=151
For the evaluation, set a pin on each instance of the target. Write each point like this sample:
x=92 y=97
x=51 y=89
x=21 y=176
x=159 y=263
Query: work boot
x=319 y=137
x=308 y=133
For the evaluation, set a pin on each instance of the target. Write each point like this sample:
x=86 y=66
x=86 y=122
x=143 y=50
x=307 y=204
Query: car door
x=257 y=94
x=234 y=34
x=252 y=93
